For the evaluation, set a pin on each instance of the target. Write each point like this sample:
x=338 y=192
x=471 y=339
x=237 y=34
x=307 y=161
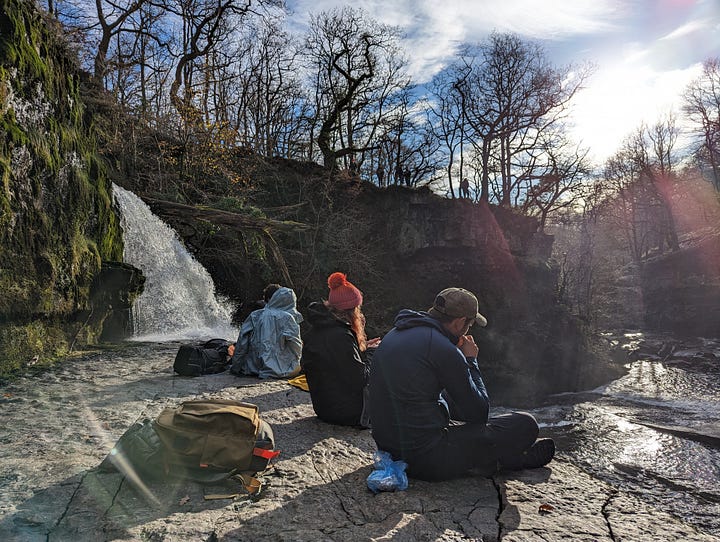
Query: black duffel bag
x=207 y=358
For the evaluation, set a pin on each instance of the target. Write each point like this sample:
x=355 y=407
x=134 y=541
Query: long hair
x=355 y=318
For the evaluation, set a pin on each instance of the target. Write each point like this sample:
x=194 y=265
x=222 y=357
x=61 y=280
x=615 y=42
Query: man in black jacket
x=428 y=403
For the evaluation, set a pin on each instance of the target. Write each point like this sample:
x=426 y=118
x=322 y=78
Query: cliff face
x=531 y=346
x=681 y=290
x=57 y=223
x=400 y=247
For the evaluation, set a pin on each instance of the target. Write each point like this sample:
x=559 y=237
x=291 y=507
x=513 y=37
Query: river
x=654 y=432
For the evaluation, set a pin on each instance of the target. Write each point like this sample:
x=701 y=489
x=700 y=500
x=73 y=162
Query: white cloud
x=551 y=19
x=686 y=29
x=434 y=31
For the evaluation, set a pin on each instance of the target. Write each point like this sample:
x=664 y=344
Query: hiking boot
x=539 y=454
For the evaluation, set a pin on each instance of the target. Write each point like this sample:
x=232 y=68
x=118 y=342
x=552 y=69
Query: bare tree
x=640 y=177
x=356 y=66
x=204 y=25
x=662 y=137
x=119 y=12
x=270 y=101
x=512 y=98
x=576 y=250
x=423 y=160
x=446 y=119
x=702 y=106
x=558 y=182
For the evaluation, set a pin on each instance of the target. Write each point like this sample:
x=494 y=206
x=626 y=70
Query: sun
x=621 y=96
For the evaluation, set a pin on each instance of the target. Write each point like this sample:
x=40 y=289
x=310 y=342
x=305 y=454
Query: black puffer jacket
x=334 y=367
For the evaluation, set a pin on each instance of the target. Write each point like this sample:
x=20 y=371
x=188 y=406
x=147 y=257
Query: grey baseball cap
x=457 y=303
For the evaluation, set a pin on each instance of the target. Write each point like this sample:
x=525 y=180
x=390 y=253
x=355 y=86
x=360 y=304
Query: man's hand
x=373 y=343
x=467 y=346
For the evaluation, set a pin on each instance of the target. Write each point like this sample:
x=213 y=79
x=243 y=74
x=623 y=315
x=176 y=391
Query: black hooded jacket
x=334 y=367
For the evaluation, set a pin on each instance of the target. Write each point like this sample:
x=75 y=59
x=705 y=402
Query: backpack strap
x=251 y=484
x=251 y=481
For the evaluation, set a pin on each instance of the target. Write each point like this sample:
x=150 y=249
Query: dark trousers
x=485 y=447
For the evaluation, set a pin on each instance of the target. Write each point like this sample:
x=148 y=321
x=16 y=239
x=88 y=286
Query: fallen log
x=222 y=218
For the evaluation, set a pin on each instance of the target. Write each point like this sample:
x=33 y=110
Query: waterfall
x=179 y=297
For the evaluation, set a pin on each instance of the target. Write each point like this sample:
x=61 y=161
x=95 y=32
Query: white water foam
x=179 y=299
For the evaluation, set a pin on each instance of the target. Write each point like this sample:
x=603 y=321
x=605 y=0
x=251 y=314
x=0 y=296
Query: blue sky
x=645 y=51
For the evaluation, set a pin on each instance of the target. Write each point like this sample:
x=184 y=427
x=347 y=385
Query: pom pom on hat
x=343 y=294
x=336 y=280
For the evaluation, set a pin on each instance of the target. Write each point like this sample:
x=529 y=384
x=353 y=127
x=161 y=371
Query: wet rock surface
x=58 y=427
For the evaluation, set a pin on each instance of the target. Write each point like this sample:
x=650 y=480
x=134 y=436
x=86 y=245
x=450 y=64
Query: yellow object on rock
x=299 y=382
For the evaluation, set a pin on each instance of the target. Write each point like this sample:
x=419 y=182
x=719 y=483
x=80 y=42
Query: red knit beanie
x=343 y=295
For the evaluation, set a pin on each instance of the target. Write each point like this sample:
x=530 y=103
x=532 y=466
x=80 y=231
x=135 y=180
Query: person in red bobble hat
x=335 y=354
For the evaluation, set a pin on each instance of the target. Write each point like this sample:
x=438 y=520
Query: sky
x=644 y=52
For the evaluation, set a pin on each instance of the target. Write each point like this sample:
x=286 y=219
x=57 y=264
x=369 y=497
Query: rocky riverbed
x=57 y=428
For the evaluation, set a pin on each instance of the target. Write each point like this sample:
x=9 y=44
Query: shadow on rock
x=97 y=505
x=338 y=506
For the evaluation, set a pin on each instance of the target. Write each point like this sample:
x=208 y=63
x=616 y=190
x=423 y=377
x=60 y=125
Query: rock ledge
x=59 y=427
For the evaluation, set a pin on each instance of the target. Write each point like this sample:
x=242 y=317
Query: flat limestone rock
x=58 y=427
x=563 y=502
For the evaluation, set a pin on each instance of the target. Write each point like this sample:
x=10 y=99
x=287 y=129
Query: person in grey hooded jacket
x=269 y=344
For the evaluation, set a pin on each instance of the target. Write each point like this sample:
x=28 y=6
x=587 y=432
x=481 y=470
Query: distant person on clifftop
x=428 y=402
x=381 y=175
x=335 y=353
x=465 y=188
x=399 y=175
x=269 y=344
x=408 y=177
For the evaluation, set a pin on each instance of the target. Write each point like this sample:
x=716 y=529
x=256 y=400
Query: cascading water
x=179 y=297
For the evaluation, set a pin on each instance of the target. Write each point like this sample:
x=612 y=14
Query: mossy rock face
x=33 y=344
x=57 y=221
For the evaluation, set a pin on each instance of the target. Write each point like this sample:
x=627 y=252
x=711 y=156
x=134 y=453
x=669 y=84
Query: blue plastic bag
x=388 y=475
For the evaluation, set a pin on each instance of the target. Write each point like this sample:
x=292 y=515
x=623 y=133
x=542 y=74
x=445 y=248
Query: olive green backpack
x=209 y=440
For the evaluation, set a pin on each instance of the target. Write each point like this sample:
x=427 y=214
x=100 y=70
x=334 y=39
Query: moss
x=32 y=42
x=60 y=207
x=255 y=248
x=35 y=343
x=21 y=38
x=237 y=205
x=11 y=132
x=5 y=209
x=86 y=260
x=69 y=139
x=110 y=245
x=18 y=292
x=45 y=154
